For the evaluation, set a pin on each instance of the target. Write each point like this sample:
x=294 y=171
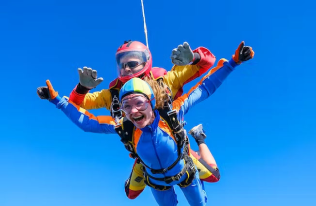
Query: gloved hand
x=47 y=92
x=198 y=134
x=88 y=78
x=182 y=55
x=243 y=53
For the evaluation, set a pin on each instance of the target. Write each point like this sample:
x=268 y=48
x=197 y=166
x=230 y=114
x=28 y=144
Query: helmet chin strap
x=145 y=27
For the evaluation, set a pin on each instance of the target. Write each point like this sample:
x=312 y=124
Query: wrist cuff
x=56 y=100
x=82 y=89
x=200 y=141
x=196 y=58
x=233 y=63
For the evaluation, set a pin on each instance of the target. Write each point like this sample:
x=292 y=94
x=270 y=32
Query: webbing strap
x=188 y=169
x=116 y=113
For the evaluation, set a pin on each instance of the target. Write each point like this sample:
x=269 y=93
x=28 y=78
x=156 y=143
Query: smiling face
x=138 y=110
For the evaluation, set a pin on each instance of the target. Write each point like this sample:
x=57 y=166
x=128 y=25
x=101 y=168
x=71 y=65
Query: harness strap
x=188 y=169
x=126 y=131
x=116 y=113
x=191 y=172
x=162 y=171
x=156 y=187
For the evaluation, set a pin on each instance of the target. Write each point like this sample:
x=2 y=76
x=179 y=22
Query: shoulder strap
x=126 y=132
x=171 y=118
x=125 y=129
x=116 y=113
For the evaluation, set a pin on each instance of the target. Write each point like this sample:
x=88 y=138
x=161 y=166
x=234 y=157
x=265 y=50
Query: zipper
x=154 y=145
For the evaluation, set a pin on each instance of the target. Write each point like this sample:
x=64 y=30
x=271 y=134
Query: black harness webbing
x=116 y=112
x=188 y=169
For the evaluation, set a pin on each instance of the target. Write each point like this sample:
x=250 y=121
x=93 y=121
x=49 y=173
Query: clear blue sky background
x=260 y=123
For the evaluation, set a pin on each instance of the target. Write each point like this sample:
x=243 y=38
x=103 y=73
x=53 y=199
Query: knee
x=131 y=194
x=214 y=177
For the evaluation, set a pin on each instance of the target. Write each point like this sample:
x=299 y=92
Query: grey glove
x=182 y=55
x=88 y=78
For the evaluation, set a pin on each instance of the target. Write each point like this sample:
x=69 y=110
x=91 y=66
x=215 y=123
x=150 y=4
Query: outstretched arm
x=182 y=72
x=82 y=118
x=85 y=120
x=208 y=85
x=80 y=94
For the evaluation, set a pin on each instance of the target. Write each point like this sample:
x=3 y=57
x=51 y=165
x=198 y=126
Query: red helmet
x=133 y=54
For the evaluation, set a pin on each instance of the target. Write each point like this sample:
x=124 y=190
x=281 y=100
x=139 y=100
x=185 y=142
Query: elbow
x=205 y=58
x=84 y=128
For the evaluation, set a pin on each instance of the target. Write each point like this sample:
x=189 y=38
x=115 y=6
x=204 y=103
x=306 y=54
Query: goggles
x=138 y=102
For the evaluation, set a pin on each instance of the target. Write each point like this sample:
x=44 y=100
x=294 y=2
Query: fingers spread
x=177 y=62
x=94 y=74
x=98 y=80
x=80 y=71
x=89 y=71
x=175 y=52
x=180 y=48
x=85 y=71
x=186 y=45
x=173 y=56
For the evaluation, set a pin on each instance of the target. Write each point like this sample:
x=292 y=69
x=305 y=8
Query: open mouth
x=138 y=119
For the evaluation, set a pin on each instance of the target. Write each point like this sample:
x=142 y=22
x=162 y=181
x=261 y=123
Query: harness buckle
x=177 y=177
x=115 y=109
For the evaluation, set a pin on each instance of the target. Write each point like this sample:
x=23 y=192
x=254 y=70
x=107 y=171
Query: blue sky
x=260 y=123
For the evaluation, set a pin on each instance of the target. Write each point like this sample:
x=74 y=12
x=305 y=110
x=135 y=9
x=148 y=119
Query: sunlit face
x=130 y=66
x=138 y=110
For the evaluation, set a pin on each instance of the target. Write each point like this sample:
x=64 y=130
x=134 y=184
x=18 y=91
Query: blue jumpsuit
x=156 y=146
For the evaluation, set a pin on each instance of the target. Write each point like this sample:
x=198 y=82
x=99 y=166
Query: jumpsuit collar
x=154 y=125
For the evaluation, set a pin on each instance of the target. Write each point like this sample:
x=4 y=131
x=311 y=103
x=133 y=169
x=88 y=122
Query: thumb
x=177 y=62
x=53 y=94
x=241 y=45
x=49 y=85
x=98 y=80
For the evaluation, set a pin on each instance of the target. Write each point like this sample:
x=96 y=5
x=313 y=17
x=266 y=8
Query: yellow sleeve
x=97 y=100
x=178 y=76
